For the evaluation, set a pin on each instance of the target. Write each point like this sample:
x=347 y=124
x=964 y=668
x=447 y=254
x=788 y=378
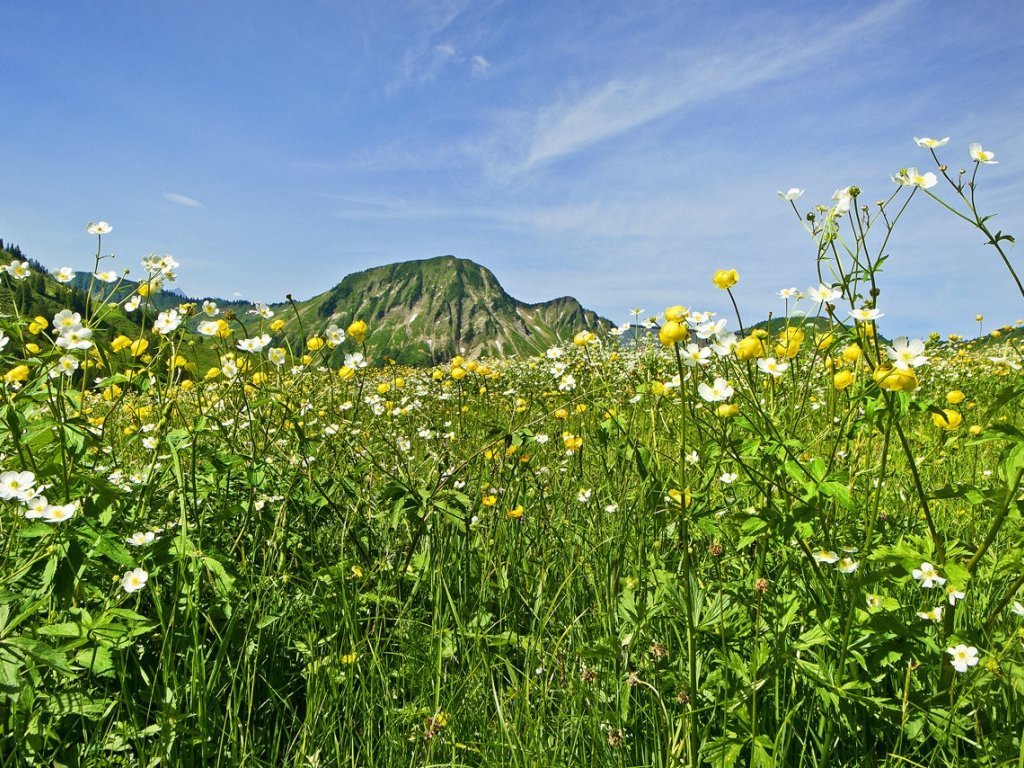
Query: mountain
x=417 y=312
x=429 y=310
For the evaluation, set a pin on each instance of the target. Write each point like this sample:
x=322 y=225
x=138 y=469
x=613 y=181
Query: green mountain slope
x=428 y=311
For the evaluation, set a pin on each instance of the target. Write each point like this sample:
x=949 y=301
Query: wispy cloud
x=188 y=202
x=626 y=102
x=480 y=66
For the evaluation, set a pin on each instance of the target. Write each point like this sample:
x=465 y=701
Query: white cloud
x=480 y=66
x=189 y=202
x=626 y=102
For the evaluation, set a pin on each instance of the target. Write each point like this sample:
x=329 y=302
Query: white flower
x=694 y=355
x=716 y=392
x=772 y=367
x=728 y=478
x=65 y=366
x=75 y=338
x=843 y=200
x=791 y=194
x=865 y=314
x=567 y=383
x=133 y=303
x=789 y=293
x=98 y=228
x=935 y=614
x=953 y=594
x=541 y=438
x=276 y=355
x=1018 y=608
x=263 y=311
x=18 y=270
x=208 y=328
x=928 y=576
x=66 y=319
x=17 y=485
x=724 y=344
x=906 y=354
x=964 y=656
x=979 y=155
x=4 y=338
x=210 y=308
x=36 y=507
x=931 y=143
x=583 y=497
x=335 y=336
x=554 y=353
x=911 y=177
x=823 y=293
x=133 y=581
x=848 y=565
x=64 y=275
x=138 y=539
x=58 y=513
x=167 y=322
x=254 y=344
x=355 y=360
x=826 y=556
x=106 y=277
x=711 y=328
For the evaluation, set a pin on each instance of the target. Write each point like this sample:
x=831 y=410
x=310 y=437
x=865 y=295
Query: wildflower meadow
x=688 y=542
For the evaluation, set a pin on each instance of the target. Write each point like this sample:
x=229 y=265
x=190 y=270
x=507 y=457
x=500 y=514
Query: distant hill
x=418 y=312
x=429 y=310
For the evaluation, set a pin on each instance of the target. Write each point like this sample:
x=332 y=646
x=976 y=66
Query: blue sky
x=618 y=152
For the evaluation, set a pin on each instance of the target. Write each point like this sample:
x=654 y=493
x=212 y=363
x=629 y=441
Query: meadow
x=797 y=544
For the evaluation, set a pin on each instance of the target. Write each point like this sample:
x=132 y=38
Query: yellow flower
x=277 y=325
x=750 y=348
x=458 y=373
x=471 y=366
x=383 y=388
x=673 y=332
x=561 y=413
x=111 y=393
x=119 y=343
x=842 y=380
x=186 y=385
x=346 y=373
x=357 y=331
x=259 y=378
x=571 y=442
x=676 y=313
x=457 y=361
x=583 y=338
x=852 y=353
x=515 y=513
x=138 y=346
x=726 y=278
x=18 y=373
x=349 y=658
x=789 y=342
x=681 y=498
x=314 y=344
x=489 y=500
x=948 y=420
x=826 y=341
x=895 y=380
x=727 y=410
x=975 y=429
x=32 y=349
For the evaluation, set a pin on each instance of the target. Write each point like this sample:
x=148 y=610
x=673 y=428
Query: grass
x=581 y=558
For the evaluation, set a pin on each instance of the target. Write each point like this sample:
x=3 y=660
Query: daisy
x=964 y=656
x=133 y=581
